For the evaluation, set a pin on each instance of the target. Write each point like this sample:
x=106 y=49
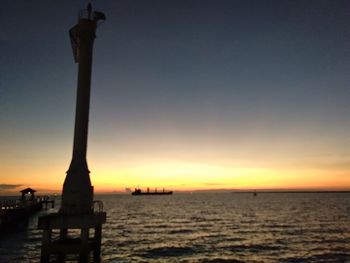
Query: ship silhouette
x=138 y=191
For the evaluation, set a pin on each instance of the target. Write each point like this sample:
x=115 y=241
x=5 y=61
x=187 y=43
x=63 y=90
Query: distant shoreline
x=291 y=192
x=248 y=192
x=12 y=196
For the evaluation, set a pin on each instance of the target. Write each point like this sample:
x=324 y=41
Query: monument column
x=77 y=195
x=77 y=210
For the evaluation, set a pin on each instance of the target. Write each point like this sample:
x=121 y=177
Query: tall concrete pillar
x=77 y=194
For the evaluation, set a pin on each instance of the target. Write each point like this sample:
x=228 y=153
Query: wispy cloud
x=9 y=186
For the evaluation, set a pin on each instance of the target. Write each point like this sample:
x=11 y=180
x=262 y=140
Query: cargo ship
x=138 y=191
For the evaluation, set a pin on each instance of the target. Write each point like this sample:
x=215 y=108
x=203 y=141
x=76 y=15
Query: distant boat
x=138 y=191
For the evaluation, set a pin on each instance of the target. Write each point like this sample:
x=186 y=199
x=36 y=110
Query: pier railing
x=10 y=204
x=97 y=206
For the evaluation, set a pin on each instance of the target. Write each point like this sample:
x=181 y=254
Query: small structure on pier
x=77 y=208
x=27 y=194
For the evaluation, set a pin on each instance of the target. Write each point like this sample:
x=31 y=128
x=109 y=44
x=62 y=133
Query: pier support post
x=97 y=243
x=84 y=245
x=46 y=240
x=63 y=233
x=63 y=236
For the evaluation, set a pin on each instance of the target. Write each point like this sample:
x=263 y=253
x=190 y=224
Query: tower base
x=57 y=239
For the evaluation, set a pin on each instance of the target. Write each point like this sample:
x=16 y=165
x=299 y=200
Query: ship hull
x=152 y=193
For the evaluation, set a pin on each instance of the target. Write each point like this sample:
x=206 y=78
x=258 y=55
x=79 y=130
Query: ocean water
x=221 y=227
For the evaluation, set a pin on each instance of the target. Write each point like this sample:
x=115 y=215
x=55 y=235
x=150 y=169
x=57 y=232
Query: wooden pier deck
x=13 y=212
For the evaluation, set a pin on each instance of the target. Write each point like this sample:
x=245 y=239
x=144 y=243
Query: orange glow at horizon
x=190 y=176
x=185 y=176
x=175 y=175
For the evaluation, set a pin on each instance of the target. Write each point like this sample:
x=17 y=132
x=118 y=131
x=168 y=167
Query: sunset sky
x=186 y=94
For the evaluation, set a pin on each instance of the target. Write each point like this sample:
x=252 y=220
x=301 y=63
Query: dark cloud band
x=9 y=186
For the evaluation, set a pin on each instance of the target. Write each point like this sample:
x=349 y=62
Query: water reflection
x=212 y=228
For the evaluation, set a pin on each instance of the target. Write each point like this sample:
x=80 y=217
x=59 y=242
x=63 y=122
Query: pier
x=14 y=212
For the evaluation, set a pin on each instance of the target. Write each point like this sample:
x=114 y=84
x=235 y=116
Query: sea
x=210 y=227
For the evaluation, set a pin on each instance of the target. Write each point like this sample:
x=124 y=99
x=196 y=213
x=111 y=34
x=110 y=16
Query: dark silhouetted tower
x=77 y=208
x=77 y=195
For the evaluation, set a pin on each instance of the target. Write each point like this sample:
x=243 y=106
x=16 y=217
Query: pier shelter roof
x=28 y=191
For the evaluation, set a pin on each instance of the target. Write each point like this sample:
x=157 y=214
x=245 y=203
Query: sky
x=186 y=94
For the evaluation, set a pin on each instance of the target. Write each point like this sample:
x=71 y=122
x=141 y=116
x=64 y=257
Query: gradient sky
x=186 y=94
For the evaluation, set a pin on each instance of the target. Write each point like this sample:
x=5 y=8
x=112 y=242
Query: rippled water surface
x=224 y=227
